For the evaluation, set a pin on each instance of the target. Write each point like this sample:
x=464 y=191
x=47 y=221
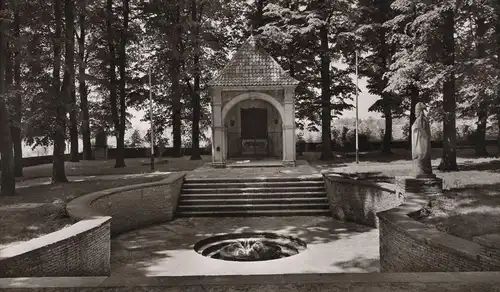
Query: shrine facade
x=253 y=108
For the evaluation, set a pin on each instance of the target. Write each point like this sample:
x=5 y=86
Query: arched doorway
x=254 y=126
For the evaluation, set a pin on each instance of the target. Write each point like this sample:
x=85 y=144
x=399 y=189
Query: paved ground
x=303 y=169
x=167 y=249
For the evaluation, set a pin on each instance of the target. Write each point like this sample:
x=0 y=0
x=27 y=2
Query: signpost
x=357 y=134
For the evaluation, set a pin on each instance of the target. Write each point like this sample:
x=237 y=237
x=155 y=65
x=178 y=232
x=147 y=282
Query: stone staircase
x=236 y=197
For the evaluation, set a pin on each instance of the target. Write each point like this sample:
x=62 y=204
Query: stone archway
x=253 y=95
x=253 y=123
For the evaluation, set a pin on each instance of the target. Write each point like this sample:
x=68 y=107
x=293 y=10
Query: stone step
x=244 y=207
x=254 y=190
x=255 y=213
x=191 y=185
x=255 y=165
x=254 y=179
x=253 y=201
x=233 y=196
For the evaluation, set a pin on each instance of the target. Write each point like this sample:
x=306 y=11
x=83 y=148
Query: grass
x=470 y=205
x=106 y=167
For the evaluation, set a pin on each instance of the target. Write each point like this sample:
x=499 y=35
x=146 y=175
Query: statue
x=421 y=144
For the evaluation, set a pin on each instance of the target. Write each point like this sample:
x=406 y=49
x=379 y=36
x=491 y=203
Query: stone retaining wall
x=82 y=249
x=131 y=207
x=359 y=200
x=407 y=245
x=360 y=282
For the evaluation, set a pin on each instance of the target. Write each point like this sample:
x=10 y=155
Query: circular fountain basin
x=246 y=247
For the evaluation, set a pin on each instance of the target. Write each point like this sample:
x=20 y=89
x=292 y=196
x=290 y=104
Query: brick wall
x=82 y=249
x=407 y=245
x=131 y=207
x=359 y=200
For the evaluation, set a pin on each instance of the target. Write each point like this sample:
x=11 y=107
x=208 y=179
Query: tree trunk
x=326 y=108
x=58 y=171
x=84 y=105
x=112 y=73
x=386 y=143
x=385 y=57
x=497 y=51
x=449 y=159
x=176 y=90
x=8 y=182
x=258 y=18
x=482 y=111
x=70 y=71
x=195 y=138
x=120 y=147
x=18 y=102
x=413 y=103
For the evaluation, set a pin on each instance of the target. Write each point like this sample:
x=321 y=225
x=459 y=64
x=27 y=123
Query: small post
x=357 y=113
x=152 y=163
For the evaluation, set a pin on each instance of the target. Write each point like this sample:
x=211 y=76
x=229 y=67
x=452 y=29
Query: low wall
x=359 y=200
x=407 y=245
x=82 y=249
x=131 y=207
x=361 y=282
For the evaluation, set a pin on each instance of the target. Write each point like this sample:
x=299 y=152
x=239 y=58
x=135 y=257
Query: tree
x=17 y=103
x=375 y=38
x=8 y=183
x=296 y=31
x=59 y=132
x=449 y=159
x=175 y=61
x=120 y=141
x=135 y=139
x=195 y=90
x=112 y=83
x=69 y=71
x=84 y=108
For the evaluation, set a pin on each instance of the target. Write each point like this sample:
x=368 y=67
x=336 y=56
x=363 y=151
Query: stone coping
x=80 y=208
x=398 y=218
x=489 y=240
x=491 y=278
x=388 y=187
x=54 y=237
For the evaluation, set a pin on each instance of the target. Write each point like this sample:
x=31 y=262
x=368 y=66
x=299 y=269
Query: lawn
x=470 y=205
x=106 y=167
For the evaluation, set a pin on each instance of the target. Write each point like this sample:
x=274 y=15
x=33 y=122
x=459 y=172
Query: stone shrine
x=253 y=110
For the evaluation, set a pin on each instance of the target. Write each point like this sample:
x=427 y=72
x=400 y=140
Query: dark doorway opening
x=254 y=140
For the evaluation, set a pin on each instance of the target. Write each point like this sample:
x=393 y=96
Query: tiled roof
x=252 y=66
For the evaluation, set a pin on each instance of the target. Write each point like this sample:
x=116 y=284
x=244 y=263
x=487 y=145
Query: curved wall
x=359 y=200
x=82 y=249
x=131 y=207
x=407 y=245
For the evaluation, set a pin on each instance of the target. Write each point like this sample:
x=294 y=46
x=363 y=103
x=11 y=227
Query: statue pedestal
x=428 y=185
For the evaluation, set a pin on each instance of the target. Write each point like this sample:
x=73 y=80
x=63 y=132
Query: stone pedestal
x=429 y=185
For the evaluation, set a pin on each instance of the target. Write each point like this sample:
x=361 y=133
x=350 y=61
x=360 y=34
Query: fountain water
x=249 y=246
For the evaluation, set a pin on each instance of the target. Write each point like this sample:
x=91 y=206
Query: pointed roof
x=252 y=66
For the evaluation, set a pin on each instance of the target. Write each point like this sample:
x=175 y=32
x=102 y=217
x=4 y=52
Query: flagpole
x=152 y=163
x=357 y=113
